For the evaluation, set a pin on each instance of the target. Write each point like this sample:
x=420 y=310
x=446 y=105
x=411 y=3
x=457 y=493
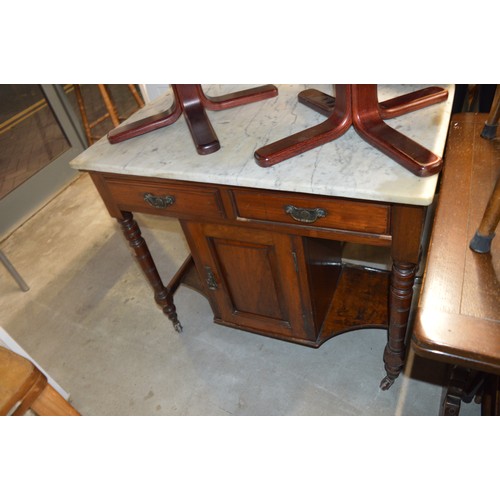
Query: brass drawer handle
x=159 y=201
x=308 y=215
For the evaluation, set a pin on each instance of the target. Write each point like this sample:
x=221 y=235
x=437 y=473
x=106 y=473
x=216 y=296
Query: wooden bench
x=23 y=386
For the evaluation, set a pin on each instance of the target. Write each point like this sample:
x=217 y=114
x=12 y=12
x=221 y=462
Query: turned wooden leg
x=163 y=296
x=83 y=113
x=136 y=95
x=113 y=114
x=407 y=229
x=401 y=293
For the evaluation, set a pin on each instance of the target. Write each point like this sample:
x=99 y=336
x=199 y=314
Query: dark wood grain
x=265 y=272
x=368 y=217
x=458 y=317
x=163 y=296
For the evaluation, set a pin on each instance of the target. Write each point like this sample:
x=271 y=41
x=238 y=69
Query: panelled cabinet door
x=251 y=278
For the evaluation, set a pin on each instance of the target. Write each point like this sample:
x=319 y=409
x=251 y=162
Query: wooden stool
x=24 y=386
x=111 y=114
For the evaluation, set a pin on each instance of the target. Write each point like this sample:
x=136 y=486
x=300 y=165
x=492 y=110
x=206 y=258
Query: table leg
x=113 y=114
x=464 y=385
x=163 y=296
x=407 y=229
x=400 y=297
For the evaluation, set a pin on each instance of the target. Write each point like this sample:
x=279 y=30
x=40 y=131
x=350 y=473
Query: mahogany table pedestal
x=191 y=101
x=358 y=105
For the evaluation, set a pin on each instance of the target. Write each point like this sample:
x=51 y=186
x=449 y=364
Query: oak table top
x=458 y=317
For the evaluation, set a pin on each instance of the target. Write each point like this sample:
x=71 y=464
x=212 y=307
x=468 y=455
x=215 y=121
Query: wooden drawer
x=166 y=198
x=318 y=211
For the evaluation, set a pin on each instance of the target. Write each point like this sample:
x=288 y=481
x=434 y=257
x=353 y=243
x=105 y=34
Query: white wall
x=151 y=91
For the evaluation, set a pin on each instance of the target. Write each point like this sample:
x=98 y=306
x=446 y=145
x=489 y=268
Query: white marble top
x=347 y=167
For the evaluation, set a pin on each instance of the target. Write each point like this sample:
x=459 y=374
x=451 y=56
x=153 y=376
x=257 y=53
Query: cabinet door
x=251 y=278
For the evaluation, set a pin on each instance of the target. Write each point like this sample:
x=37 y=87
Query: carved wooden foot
x=401 y=293
x=163 y=296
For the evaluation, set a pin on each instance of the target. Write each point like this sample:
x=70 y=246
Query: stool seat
x=24 y=386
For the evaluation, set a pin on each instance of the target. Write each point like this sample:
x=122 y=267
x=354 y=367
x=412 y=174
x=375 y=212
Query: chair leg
x=51 y=403
x=490 y=127
x=481 y=242
x=136 y=95
x=111 y=110
x=113 y=115
x=83 y=113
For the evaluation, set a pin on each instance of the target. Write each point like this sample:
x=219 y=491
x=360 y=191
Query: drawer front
x=318 y=211
x=167 y=198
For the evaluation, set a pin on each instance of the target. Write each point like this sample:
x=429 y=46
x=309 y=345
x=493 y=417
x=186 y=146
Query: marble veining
x=347 y=167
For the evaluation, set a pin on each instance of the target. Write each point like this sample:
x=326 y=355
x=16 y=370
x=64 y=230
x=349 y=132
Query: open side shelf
x=343 y=296
x=360 y=301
